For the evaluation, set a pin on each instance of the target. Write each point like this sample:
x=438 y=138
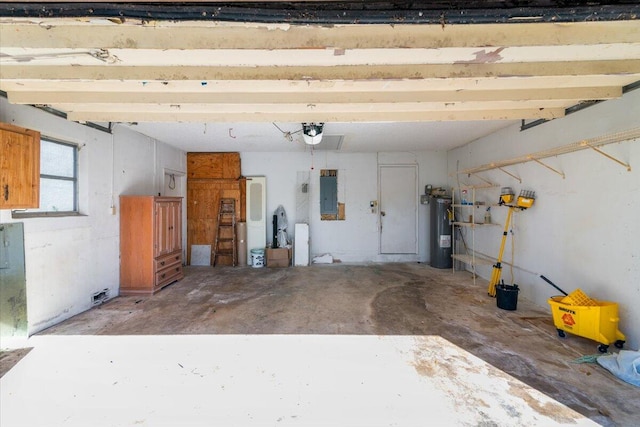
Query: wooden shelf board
x=468 y=259
x=627 y=135
x=474 y=224
x=468 y=206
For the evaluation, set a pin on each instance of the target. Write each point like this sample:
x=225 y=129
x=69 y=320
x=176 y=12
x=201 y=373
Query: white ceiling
x=219 y=86
x=358 y=137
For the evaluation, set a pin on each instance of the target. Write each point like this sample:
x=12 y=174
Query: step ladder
x=225 y=244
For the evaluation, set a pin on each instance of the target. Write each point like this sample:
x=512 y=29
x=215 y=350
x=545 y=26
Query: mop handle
x=551 y=283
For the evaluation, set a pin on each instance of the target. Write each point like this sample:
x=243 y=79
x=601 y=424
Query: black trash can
x=507 y=296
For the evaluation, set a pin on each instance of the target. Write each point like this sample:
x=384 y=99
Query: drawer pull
x=162 y=275
x=162 y=263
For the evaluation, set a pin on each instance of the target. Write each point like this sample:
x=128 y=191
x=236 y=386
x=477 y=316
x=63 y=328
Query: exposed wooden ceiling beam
x=133 y=33
x=381 y=116
x=113 y=70
x=500 y=110
x=323 y=57
x=568 y=95
x=585 y=82
x=349 y=72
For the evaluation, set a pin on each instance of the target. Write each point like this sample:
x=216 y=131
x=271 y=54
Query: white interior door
x=398 y=209
x=256 y=213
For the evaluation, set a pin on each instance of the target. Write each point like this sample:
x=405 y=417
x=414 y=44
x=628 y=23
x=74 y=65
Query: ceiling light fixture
x=312 y=133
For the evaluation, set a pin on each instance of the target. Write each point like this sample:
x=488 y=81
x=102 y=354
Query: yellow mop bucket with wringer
x=580 y=315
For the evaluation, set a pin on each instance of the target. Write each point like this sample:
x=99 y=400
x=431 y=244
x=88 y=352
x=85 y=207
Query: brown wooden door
x=175 y=226
x=19 y=167
x=162 y=228
x=168 y=228
x=203 y=198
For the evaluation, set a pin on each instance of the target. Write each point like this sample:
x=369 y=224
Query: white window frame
x=28 y=213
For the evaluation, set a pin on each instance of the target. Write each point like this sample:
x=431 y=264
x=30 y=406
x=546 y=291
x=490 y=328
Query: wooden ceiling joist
x=347 y=72
x=523 y=83
x=320 y=57
x=393 y=112
x=138 y=34
x=568 y=96
x=133 y=70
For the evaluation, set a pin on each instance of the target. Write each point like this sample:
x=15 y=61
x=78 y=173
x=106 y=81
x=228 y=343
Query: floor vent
x=100 y=297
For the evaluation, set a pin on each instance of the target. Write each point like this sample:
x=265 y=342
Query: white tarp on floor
x=265 y=380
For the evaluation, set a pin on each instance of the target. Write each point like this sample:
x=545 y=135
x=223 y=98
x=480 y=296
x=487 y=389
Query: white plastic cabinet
x=301 y=245
x=256 y=213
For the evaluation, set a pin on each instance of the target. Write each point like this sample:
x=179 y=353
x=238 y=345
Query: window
x=58 y=176
x=58 y=179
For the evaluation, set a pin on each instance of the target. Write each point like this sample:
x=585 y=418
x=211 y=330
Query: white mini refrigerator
x=301 y=245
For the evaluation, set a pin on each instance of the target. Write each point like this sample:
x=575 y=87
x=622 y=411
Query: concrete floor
x=410 y=300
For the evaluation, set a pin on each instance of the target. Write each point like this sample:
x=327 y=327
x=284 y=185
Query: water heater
x=440 y=229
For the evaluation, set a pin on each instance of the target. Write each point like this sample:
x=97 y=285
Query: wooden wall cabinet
x=213 y=165
x=150 y=243
x=19 y=167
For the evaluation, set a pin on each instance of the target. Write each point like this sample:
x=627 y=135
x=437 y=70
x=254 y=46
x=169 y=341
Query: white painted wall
x=70 y=258
x=356 y=238
x=583 y=231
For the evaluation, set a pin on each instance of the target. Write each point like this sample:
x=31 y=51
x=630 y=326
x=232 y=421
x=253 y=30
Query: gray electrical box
x=329 y=195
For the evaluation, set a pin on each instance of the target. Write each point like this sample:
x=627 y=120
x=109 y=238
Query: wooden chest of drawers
x=150 y=243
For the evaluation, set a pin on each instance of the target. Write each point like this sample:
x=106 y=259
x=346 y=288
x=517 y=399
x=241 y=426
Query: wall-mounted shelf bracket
x=548 y=167
x=632 y=134
x=610 y=157
x=511 y=175
x=477 y=187
x=486 y=181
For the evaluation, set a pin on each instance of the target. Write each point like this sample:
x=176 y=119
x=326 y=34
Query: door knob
x=383 y=213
